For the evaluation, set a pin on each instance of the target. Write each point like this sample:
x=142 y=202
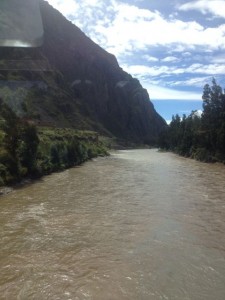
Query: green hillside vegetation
x=44 y=98
x=200 y=137
x=27 y=151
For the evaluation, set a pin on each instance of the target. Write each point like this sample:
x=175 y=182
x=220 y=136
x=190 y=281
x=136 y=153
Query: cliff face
x=84 y=84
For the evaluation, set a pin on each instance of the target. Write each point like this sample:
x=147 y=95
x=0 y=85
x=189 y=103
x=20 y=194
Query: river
x=138 y=225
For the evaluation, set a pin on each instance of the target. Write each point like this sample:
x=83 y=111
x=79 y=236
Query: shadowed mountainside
x=72 y=82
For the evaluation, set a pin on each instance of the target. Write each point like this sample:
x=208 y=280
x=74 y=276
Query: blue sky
x=173 y=47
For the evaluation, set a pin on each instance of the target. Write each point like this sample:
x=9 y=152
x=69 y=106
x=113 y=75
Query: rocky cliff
x=71 y=81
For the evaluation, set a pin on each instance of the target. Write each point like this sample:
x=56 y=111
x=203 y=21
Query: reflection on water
x=137 y=225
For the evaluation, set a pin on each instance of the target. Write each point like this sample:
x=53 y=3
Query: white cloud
x=192 y=82
x=170 y=59
x=198 y=113
x=121 y=28
x=162 y=93
x=145 y=71
x=150 y=58
x=186 y=54
x=214 y=7
x=142 y=71
x=67 y=7
x=218 y=59
x=210 y=69
x=129 y=32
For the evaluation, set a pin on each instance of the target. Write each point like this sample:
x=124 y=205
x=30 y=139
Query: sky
x=174 y=47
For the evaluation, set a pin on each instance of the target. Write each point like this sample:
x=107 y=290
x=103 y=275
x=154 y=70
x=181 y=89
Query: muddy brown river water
x=138 y=225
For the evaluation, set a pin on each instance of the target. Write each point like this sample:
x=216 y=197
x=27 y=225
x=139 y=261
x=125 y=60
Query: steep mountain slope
x=77 y=83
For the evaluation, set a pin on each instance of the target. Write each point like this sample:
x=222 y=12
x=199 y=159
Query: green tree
x=213 y=115
x=11 y=127
x=29 y=148
x=202 y=137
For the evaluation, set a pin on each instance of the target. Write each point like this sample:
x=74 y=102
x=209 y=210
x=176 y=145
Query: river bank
x=58 y=149
x=200 y=155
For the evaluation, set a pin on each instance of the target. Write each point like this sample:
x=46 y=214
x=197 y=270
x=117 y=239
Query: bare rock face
x=86 y=86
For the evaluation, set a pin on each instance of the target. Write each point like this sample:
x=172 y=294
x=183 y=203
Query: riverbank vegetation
x=199 y=136
x=27 y=151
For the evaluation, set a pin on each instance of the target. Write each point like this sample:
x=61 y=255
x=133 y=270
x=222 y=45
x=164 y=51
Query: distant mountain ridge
x=78 y=84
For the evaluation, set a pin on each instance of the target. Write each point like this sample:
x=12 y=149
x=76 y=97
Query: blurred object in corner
x=20 y=23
